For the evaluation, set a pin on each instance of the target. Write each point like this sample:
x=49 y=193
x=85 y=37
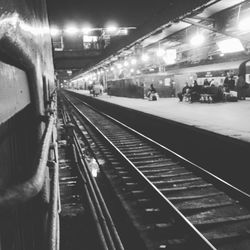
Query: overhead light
x=112 y=68
x=71 y=30
x=145 y=57
x=160 y=52
x=244 y=24
x=170 y=57
x=197 y=40
x=132 y=70
x=111 y=29
x=126 y=64
x=119 y=66
x=133 y=61
x=230 y=45
x=124 y=31
x=86 y=30
x=54 y=32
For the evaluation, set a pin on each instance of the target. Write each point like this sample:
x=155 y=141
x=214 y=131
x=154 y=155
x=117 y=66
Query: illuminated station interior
x=124 y=125
x=181 y=79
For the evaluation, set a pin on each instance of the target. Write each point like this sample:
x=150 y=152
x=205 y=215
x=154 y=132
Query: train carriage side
x=26 y=82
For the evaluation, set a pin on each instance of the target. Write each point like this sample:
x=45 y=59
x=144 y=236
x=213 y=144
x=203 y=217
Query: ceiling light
x=54 y=31
x=71 y=30
x=244 y=24
x=145 y=57
x=230 y=45
x=112 y=29
x=160 y=52
x=126 y=64
x=119 y=66
x=86 y=30
x=133 y=61
x=197 y=40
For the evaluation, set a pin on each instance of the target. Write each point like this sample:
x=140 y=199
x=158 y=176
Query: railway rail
x=80 y=191
x=174 y=203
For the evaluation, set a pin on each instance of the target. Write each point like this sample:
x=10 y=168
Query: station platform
x=228 y=118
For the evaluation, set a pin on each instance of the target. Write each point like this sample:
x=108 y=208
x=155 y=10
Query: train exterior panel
x=26 y=82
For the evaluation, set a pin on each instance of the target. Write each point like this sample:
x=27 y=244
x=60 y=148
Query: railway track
x=174 y=203
x=82 y=202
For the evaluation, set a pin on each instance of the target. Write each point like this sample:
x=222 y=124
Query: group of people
x=231 y=90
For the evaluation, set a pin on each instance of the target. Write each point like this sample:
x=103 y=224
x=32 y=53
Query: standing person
x=229 y=83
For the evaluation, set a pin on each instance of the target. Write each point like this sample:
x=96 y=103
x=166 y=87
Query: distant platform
x=226 y=118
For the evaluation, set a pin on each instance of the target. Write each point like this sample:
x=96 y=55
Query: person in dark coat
x=195 y=92
x=183 y=92
x=229 y=83
x=206 y=83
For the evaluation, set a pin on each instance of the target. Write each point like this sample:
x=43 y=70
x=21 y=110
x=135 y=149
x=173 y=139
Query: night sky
x=99 y=13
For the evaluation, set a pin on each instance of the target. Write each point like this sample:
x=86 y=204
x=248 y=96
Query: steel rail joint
x=23 y=192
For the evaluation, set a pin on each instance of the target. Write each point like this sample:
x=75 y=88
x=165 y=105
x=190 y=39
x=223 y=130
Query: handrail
x=54 y=207
x=20 y=193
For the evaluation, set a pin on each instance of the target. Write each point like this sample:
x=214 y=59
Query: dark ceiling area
x=99 y=13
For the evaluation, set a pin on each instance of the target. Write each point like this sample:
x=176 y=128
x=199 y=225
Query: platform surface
x=228 y=118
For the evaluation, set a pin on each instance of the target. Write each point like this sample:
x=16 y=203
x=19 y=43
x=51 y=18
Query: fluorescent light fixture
x=244 y=24
x=197 y=40
x=71 y=30
x=145 y=57
x=54 y=31
x=230 y=45
x=124 y=31
x=112 y=29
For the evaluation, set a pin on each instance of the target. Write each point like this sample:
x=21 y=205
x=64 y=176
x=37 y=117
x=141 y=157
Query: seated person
x=229 y=83
x=195 y=92
x=206 y=83
x=152 y=94
x=183 y=92
x=216 y=93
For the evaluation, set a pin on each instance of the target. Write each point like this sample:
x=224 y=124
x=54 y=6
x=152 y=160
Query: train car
x=26 y=87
